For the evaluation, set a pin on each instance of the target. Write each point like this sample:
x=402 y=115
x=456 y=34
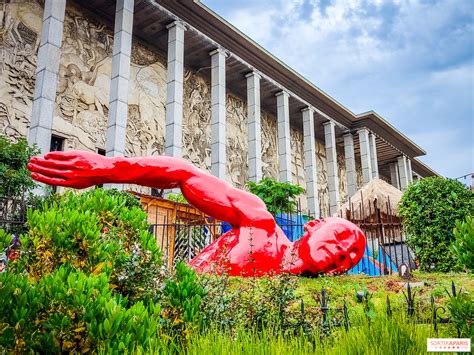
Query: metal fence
x=386 y=248
x=13 y=213
x=335 y=317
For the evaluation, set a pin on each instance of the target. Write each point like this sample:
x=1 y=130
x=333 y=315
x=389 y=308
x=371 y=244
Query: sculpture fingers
x=52 y=172
x=52 y=163
x=60 y=155
x=49 y=180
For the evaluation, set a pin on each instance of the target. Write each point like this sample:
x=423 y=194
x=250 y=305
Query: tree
x=15 y=178
x=429 y=209
x=278 y=196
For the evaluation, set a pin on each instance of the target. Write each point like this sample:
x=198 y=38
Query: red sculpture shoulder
x=255 y=246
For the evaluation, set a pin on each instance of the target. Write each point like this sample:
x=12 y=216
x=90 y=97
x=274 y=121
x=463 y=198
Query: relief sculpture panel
x=341 y=169
x=197 y=120
x=269 y=146
x=323 y=189
x=83 y=82
x=297 y=164
x=20 y=27
x=237 y=141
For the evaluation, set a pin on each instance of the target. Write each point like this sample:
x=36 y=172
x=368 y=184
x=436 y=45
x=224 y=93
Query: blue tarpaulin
x=371 y=266
x=292 y=225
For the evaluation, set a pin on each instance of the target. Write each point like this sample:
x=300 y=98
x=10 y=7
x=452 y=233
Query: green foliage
x=464 y=244
x=95 y=232
x=15 y=178
x=69 y=311
x=383 y=336
x=430 y=208
x=249 y=302
x=5 y=240
x=177 y=198
x=183 y=294
x=461 y=308
x=278 y=196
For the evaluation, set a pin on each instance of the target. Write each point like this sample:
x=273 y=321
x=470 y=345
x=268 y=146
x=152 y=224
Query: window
x=57 y=144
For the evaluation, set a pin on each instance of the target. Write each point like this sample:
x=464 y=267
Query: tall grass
x=381 y=336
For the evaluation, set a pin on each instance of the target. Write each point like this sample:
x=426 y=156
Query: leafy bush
x=95 y=232
x=15 y=178
x=249 y=302
x=464 y=244
x=461 y=307
x=177 y=198
x=183 y=294
x=278 y=196
x=429 y=209
x=69 y=311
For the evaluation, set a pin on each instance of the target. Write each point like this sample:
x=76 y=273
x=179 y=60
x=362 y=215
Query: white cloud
x=411 y=61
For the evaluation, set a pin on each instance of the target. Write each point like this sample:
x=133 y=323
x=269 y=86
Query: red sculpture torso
x=255 y=246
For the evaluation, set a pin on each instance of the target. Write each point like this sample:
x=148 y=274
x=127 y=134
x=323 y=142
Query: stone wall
x=82 y=102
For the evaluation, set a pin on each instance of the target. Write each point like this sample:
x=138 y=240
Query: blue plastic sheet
x=292 y=225
x=371 y=266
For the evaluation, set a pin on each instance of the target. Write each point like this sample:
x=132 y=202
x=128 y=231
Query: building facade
x=145 y=77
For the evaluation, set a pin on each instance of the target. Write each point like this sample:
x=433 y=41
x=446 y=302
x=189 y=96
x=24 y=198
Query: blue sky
x=410 y=61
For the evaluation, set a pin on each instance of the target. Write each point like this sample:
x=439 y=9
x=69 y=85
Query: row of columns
x=45 y=91
x=401 y=173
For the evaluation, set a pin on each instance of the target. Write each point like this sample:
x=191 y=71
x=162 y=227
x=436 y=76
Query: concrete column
x=47 y=74
x=218 y=114
x=118 y=101
x=174 y=97
x=394 y=175
x=365 y=155
x=350 y=164
x=310 y=166
x=410 y=172
x=331 y=156
x=254 y=126
x=403 y=171
x=284 y=147
x=373 y=156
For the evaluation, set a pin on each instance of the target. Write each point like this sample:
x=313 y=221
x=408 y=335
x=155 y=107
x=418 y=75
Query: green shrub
x=461 y=308
x=249 y=302
x=429 y=209
x=464 y=244
x=69 y=311
x=5 y=240
x=277 y=196
x=95 y=232
x=183 y=294
x=15 y=178
x=179 y=197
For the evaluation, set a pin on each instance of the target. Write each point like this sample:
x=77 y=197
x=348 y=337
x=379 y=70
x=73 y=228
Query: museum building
x=154 y=77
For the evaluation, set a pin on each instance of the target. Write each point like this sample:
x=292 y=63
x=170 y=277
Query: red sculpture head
x=330 y=246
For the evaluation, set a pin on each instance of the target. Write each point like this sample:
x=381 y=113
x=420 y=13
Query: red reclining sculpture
x=255 y=245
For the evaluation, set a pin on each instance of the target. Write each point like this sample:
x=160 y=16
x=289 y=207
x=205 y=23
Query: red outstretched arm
x=211 y=195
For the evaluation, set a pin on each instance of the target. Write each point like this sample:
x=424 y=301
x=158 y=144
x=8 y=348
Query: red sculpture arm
x=211 y=195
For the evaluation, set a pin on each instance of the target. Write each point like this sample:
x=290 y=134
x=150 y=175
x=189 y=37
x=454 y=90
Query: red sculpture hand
x=76 y=169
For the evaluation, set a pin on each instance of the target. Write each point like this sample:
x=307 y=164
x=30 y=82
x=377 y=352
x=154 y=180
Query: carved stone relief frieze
x=359 y=175
x=197 y=120
x=323 y=188
x=269 y=146
x=341 y=168
x=237 y=141
x=20 y=27
x=83 y=82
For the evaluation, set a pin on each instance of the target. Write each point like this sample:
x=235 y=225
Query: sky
x=410 y=61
